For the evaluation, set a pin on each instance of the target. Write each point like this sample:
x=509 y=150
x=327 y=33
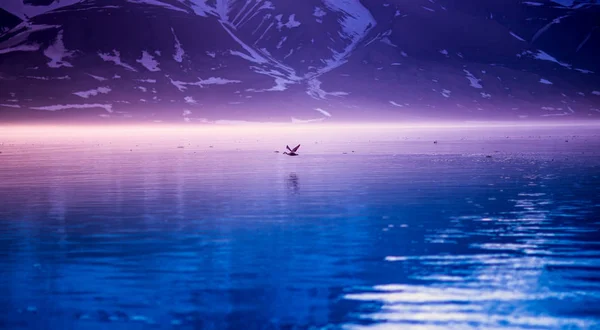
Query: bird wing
x=296 y=149
x=288 y=148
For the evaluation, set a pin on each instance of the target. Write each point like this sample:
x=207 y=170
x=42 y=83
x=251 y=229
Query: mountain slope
x=201 y=61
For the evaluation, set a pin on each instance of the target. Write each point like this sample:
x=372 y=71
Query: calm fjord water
x=399 y=234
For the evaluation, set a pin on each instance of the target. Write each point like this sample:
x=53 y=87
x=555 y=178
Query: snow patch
x=107 y=107
x=57 y=53
x=190 y=100
x=250 y=13
x=93 y=92
x=323 y=112
x=306 y=121
x=292 y=23
x=97 y=77
x=516 y=36
x=201 y=8
x=49 y=78
x=21 y=48
x=314 y=90
x=474 y=82
x=585 y=40
x=281 y=42
x=10 y=105
x=288 y=54
x=280 y=85
x=182 y=86
x=543 y=56
x=356 y=22
x=179 y=84
x=86 y=8
x=387 y=41
x=148 y=61
x=252 y=55
x=179 y=52
x=115 y=57
x=319 y=12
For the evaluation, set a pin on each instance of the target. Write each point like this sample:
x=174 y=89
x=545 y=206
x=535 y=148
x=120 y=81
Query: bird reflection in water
x=292 y=184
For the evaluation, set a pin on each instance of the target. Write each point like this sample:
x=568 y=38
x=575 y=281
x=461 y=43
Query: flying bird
x=292 y=151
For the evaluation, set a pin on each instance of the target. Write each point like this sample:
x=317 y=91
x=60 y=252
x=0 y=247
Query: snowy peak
x=286 y=33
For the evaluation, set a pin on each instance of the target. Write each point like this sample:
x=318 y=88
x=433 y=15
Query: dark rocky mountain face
x=40 y=2
x=257 y=60
x=7 y=21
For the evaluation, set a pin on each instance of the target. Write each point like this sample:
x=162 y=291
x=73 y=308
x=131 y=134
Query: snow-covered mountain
x=311 y=60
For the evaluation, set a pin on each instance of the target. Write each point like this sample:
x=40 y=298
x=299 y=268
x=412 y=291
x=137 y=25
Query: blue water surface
x=204 y=238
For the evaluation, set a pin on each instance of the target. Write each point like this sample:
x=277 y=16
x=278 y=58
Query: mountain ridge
x=201 y=61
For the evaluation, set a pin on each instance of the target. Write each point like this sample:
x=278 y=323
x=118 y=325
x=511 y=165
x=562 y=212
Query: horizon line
x=320 y=124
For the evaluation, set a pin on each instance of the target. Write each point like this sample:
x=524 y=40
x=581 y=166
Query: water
x=399 y=234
